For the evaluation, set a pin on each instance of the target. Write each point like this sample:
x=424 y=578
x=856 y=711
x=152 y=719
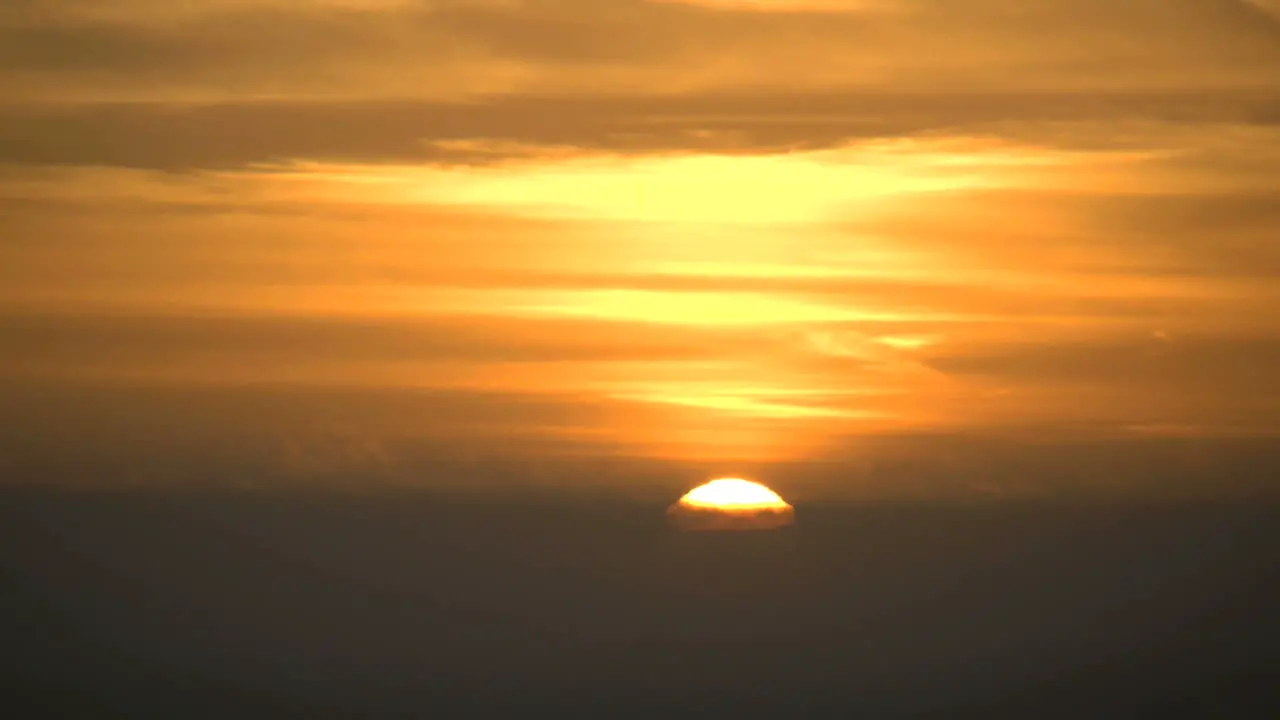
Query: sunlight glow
x=708 y=308
x=699 y=189
x=733 y=494
x=743 y=405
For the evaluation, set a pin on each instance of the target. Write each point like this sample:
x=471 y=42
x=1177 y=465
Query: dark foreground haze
x=138 y=603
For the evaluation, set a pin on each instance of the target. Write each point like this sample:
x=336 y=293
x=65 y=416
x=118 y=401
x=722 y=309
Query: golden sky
x=704 y=231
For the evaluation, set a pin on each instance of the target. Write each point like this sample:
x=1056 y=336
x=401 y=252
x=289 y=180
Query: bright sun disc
x=733 y=493
x=731 y=504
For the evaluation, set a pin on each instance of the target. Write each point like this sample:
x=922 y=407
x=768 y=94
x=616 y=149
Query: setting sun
x=732 y=493
x=731 y=504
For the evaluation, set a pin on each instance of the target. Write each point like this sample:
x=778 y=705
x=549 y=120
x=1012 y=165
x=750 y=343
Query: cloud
x=169 y=136
x=1020 y=263
x=1269 y=7
x=676 y=228
x=464 y=49
x=232 y=347
x=1224 y=381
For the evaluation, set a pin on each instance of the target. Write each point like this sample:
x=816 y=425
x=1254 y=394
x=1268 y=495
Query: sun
x=732 y=493
x=731 y=504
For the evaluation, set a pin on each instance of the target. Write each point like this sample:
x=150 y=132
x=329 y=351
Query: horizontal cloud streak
x=457 y=49
x=235 y=134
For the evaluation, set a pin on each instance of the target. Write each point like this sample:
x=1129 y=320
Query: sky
x=918 y=246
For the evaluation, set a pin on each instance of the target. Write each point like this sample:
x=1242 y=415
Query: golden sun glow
x=733 y=494
x=731 y=504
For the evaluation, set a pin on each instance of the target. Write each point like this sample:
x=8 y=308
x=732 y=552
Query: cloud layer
x=749 y=231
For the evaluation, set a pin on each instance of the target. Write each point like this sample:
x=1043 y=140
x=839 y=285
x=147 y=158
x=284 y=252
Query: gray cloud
x=396 y=81
x=1205 y=382
x=1048 y=460
x=433 y=49
x=115 y=435
x=227 y=135
x=53 y=344
x=1196 y=361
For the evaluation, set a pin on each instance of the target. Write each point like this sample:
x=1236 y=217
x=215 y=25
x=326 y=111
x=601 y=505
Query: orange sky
x=708 y=231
